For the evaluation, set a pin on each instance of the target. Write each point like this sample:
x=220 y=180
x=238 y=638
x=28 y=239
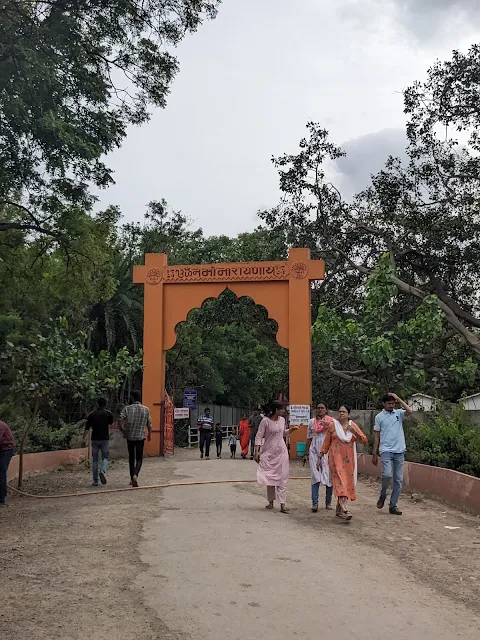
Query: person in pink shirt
x=271 y=454
x=7 y=449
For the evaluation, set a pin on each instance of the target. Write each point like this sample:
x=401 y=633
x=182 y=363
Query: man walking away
x=99 y=422
x=136 y=418
x=254 y=422
x=390 y=442
x=205 y=426
x=7 y=449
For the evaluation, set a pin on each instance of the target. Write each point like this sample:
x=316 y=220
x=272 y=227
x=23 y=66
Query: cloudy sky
x=250 y=80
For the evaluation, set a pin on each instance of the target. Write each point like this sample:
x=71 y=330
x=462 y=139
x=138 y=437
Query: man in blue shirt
x=390 y=442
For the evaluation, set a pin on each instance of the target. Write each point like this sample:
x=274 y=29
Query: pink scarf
x=321 y=425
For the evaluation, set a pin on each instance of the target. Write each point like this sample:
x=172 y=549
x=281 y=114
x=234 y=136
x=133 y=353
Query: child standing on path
x=233 y=444
x=218 y=439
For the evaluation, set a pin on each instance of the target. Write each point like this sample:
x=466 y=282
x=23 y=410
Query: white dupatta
x=347 y=437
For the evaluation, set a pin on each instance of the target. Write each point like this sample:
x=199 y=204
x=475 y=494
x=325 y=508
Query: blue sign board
x=190 y=399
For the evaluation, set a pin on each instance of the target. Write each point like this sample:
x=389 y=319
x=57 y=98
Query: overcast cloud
x=366 y=156
x=426 y=17
x=250 y=80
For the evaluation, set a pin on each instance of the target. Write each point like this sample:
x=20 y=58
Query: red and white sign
x=181 y=413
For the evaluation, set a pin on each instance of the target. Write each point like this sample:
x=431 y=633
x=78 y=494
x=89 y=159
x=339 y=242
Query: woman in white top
x=317 y=430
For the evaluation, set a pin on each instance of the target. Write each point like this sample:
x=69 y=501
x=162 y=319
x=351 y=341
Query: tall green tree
x=117 y=319
x=422 y=213
x=57 y=364
x=74 y=74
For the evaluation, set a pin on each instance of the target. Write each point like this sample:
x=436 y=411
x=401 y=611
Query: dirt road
x=210 y=563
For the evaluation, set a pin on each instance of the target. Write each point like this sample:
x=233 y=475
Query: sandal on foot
x=315 y=508
x=328 y=507
x=269 y=507
x=284 y=510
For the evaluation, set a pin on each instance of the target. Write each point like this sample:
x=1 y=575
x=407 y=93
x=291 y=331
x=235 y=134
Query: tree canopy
x=422 y=214
x=74 y=75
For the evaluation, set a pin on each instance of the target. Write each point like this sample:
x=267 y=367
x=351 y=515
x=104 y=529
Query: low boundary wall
x=46 y=461
x=454 y=488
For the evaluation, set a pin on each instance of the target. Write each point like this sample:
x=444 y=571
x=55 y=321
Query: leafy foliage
x=74 y=75
x=118 y=320
x=45 y=436
x=58 y=363
x=228 y=349
x=447 y=441
x=388 y=351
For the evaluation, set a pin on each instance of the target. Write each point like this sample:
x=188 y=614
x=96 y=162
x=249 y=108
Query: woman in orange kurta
x=244 y=433
x=340 y=444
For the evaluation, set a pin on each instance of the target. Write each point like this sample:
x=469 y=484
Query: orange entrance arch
x=283 y=288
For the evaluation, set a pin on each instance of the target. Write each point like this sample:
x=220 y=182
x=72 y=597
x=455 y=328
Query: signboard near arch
x=171 y=292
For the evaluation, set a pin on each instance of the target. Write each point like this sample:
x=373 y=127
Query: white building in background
x=471 y=403
x=422 y=402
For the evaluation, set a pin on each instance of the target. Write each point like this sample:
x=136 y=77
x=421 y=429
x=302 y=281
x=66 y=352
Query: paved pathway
x=221 y=567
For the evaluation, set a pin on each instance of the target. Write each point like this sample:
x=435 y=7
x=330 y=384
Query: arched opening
x=227 y=349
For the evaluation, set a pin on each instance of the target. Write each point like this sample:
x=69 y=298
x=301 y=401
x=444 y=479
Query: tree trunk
x=23 y=441
x=20 y=456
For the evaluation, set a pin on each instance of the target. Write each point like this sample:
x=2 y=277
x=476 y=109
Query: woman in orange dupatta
x=244 y=433
x=340 y=444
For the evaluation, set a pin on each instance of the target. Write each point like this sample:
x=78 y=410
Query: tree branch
x=8 y=226
x=10 y=203
x=470 y=338
x=351 y=376
x=355 y=267
x=453 y=305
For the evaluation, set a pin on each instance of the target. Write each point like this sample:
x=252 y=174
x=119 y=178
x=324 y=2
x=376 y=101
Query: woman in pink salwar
x=272 y=456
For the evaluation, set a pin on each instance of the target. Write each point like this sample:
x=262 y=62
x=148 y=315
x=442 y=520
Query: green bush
x=447 y=441
x=45 y=437
x=182 y=428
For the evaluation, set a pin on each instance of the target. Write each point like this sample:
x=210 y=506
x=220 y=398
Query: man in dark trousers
x=135 y=419
x=7 y=449
x=99 y=422
x=205 y=427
